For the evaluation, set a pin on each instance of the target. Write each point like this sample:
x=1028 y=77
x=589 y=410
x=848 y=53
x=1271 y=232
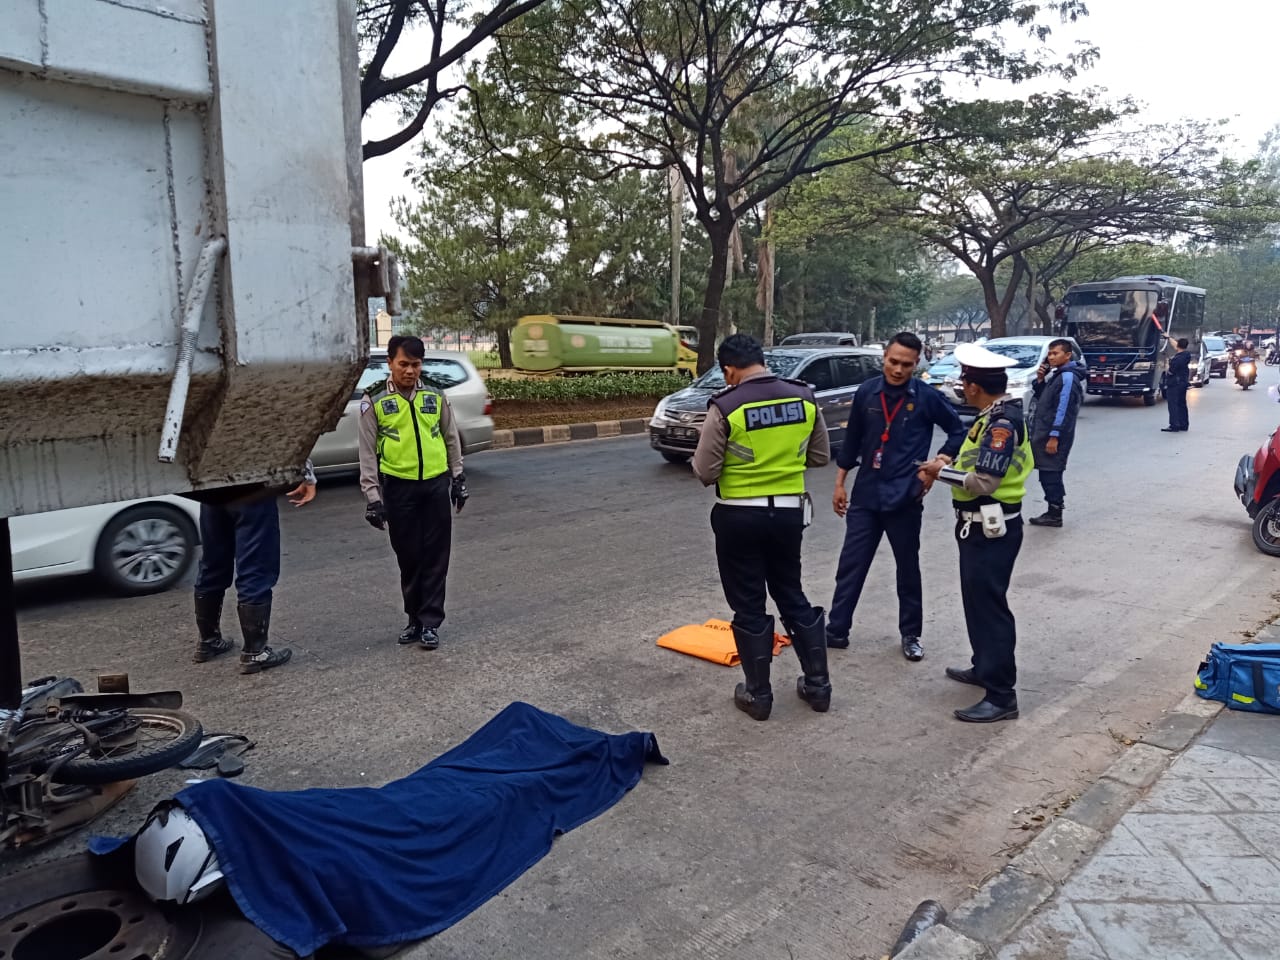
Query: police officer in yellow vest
x=760 y=434
x=410 y=472
x=988 y=480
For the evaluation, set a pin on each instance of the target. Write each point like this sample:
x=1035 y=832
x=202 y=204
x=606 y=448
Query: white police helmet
x=173 y=858
x=980 y=358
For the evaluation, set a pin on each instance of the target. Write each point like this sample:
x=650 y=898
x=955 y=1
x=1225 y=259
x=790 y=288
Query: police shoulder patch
x=366 y=405
x=999 y=437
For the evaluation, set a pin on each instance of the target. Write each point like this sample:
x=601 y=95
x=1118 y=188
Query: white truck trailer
x=183 y=272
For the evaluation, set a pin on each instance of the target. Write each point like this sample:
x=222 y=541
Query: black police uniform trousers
x=758 y=551
x=986 y=566
x=1175 y=395
x=420 y=526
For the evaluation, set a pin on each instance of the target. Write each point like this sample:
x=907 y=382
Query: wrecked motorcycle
x=67 y=755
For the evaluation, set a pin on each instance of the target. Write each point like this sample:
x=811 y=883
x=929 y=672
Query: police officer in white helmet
x=988 y=482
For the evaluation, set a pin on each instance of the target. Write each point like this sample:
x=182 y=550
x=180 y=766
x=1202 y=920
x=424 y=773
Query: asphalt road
x=806 y=836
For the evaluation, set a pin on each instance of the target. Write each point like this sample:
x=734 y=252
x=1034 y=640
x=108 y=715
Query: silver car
x=338 y=451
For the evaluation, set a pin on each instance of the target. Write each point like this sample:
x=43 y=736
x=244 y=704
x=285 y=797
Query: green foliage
x=605 y=386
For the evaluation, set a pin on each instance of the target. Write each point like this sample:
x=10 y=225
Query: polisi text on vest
x=775 y=415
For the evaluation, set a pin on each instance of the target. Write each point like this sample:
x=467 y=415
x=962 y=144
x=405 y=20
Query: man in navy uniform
x=889 y=432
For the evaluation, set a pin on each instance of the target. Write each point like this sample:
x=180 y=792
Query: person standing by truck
x=241 y=540
x=410 y=473
x=1059 y=391
x=760 y=435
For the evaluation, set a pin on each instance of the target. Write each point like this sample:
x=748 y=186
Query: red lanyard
x=888 y=417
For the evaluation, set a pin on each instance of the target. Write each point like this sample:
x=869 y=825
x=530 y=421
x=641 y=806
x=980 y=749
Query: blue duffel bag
x=1244 y=676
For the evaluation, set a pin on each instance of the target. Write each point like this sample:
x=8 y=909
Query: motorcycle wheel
x=1266 y=529
x=152 y=740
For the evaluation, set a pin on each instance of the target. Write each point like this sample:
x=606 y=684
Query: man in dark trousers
x=988 y=481
x=890 y=428
x=1175 y=390
x=410 y=472
x=760 y=434
x=1059 y=391
x=240 y=541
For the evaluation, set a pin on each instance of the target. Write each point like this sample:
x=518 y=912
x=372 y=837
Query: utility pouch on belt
x=806 y=504
x=993 y=525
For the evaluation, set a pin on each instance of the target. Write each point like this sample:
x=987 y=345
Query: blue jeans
x=241 y=541
x=863 y=529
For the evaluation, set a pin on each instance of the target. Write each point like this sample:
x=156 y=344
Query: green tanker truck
x=550 y=343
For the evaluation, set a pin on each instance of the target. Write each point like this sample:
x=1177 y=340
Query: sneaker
x=430 y=639
x=412 y=633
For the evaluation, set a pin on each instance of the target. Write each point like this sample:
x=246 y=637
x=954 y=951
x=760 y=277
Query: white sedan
x=134 y=547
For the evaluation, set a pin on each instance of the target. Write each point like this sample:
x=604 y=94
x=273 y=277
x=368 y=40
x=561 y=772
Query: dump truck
x=185 y=275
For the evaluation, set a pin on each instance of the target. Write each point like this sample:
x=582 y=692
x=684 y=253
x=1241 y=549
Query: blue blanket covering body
x=379 y=866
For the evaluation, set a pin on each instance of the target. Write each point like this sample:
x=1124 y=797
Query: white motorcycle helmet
x=173 y=858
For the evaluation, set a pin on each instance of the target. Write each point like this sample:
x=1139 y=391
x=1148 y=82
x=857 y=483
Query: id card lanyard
x=878 y=456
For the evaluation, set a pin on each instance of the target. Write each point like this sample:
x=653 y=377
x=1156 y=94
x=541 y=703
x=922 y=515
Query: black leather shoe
x=984 y=711
x=412 y=633
x=911 y=649
x=1169 y=430
x=836 y=642
x=430 y=640
x=964 y=676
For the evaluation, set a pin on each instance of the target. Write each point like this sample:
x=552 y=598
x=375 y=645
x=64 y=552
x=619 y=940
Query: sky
x=1200 y=59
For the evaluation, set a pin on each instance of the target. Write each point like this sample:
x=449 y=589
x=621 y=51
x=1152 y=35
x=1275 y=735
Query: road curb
x=564 y=432
x=978 y=927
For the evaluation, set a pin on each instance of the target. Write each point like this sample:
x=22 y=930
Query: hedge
x=609 y=386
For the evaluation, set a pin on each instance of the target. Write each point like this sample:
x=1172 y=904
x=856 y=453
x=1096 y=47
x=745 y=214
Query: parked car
x=338 y=451
x=1028 y=352
x=834 y=373
x=820 y=339
x=1201 y=364
x=134 y=547
x=1219 y=355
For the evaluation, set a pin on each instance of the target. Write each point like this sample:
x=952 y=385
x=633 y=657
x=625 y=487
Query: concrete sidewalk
x=1191 y=870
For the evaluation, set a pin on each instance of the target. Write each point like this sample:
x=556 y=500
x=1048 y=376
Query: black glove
x=458 y=492
x=376 y=514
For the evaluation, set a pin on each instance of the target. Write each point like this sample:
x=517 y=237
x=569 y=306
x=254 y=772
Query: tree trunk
x=995 y=309
x=709 y=323
x=504 y=348
x=676 y=184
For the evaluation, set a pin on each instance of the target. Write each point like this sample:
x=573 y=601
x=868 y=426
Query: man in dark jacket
x=1059 y=391
x=1175 y=389
x=890 y=430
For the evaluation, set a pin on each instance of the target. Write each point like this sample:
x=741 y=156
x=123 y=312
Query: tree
x=738 y=94
x=1068 y=178
x=507 y=227
x=382 y=25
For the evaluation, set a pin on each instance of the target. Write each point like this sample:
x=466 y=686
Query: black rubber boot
x=255 y=622
x=209 y=624
x=810 y=642
x=755 y=696
x=1050 y=518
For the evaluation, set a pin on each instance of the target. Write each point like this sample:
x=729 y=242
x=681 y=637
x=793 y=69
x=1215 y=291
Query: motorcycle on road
x=1246 y=372
x=1257 y=484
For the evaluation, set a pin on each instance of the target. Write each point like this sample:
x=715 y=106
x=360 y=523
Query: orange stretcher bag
x=712 y=641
